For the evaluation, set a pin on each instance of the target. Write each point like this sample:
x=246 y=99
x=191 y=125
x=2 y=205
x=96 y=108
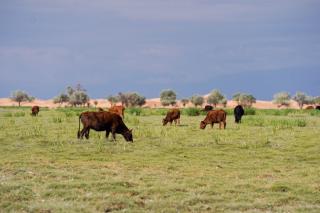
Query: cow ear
x=130 y=130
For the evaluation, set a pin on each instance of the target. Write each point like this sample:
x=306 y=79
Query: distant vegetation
x=76 y=96
x=168 y=97
x=244 y=99
x=21 y=96
x=197 y=100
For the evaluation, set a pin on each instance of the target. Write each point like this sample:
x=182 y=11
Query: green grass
x=269 y=163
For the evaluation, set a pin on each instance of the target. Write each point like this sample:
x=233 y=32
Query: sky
x=146 y=46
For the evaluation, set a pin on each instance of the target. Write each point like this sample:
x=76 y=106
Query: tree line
x=77 y=96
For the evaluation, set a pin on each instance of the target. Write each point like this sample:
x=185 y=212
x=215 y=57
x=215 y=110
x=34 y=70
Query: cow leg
x=175 y=122
x=87 y=134
x=107 y=134
x=212 y=125
x=113 y=132
x=83 y=131
x=179 y=121
x=224 y=124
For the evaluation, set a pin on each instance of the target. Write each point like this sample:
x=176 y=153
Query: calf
x=238 y=113
x=215 y=116
x=172 y=115
x=118 y=110
x=103 y=121
x=35 y=110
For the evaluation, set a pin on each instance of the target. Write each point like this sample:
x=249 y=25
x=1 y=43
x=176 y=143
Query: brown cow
x=214 y=116
x=103 y=121
x=35 y=110
x=118 y=110
x=172 y=115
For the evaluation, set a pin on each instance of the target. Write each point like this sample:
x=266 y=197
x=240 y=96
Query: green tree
x=316 y=100
x=244 y=99
x=79 y=98
x=215 y=97
x=197 y=100
x=113 y=99
x=168 y=97
x=20 y=96
x=184 y=101
x=62 y=98
x=281 y=99
x=135 y=99
x=302 y=99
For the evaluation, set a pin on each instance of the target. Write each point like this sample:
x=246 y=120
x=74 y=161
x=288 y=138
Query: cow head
x=202 y=125
x=164 y=121
x=128 y=135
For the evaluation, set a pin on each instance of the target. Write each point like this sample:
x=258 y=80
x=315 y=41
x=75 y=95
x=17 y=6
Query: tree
x=79 y=98
x=281 y=99
x=62 y=98
x=184 y=101
x=316 y=100
x=20 y=96
x=244 y=99
x=168 y=97
x=302 y=99
x=197 y=100
x=224 y=102
x=113 y=99
x=215 y=97
x=134 y=99
x=95 y=103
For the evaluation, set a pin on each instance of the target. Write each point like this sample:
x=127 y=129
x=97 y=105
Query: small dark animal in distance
x=207 y=108
x=35 y=110
x=238 y=113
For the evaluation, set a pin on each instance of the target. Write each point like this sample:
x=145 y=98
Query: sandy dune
x=152 y=103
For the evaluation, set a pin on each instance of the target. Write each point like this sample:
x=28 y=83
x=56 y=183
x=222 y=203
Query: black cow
x=238 y=113
x=103 y=121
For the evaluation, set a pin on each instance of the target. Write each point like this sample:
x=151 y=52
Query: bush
x=191 y=111
x=134 y=111
x=249 y=111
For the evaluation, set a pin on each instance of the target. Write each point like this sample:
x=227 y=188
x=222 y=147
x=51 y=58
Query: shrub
x=191 y=111
x=249 y=111
x=134 y=111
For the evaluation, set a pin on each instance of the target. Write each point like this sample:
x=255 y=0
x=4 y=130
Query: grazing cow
x=103 y=121
x=207 y=108
x=215 y=116
x=172 y=115
x=118 y=110
x=238 y=113
x=318 y=107
x=35 y=110
x=309 y=107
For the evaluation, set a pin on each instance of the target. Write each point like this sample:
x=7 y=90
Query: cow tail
x=79 y=126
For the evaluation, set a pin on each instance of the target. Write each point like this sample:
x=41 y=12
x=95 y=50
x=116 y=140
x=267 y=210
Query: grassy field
x=269 y=163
